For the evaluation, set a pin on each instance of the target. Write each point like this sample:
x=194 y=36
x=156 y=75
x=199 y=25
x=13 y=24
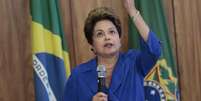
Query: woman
x=125 y=71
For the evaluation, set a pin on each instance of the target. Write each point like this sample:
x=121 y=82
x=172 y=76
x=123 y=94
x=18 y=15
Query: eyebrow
x=98 y=30
x=111 y=28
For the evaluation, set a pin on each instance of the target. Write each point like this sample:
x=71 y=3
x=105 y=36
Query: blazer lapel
x=89 y=75
x=117 y=75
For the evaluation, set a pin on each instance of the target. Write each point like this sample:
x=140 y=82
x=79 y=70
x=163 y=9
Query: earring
x=92 y=49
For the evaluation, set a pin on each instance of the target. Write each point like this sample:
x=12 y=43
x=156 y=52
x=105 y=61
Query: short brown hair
x=99 y=14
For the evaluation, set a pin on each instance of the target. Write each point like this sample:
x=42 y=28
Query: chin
x=112 y=53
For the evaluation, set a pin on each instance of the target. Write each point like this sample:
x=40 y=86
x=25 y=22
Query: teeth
x=108 y=45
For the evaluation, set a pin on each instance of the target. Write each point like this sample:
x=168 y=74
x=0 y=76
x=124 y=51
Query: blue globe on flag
x=153 y=91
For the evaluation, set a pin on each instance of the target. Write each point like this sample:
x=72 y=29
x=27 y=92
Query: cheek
x=97 y=45
x=118 y=42
x=119 y=45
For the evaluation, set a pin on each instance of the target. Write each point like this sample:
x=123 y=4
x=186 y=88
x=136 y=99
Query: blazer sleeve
x=70 y=91
x=149 y=54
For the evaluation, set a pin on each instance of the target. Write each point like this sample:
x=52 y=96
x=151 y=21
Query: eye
x=112 y=32
x=99 y=34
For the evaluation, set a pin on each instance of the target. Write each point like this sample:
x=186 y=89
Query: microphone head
x=101 y=69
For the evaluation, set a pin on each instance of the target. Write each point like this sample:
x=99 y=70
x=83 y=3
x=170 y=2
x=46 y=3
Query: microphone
x=101 y=69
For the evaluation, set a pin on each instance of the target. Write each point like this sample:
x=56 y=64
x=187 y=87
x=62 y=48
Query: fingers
x=100 y=94
x=100 y=97
x=130 y=6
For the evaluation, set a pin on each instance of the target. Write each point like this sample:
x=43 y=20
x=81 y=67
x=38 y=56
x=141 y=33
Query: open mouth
x=108 y=45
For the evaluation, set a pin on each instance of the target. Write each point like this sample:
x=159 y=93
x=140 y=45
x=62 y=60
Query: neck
x=109 y=62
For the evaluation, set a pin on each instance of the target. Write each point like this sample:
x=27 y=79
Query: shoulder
x=83 y=67
x=131 y=53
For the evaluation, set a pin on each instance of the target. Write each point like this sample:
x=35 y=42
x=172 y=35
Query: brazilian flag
x=50 y=53
x=161 y=84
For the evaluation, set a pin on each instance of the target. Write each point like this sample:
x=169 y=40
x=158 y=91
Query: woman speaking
x=125 y=72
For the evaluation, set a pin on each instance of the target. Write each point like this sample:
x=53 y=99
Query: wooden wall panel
x=16 y=81
x=188 y=39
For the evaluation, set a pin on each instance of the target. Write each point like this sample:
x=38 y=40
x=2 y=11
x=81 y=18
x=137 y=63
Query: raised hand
x=137 y=18
x=130 y=6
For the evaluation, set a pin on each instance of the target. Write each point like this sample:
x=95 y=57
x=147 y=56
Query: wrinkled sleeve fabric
x=70 y=91
x=149 y=54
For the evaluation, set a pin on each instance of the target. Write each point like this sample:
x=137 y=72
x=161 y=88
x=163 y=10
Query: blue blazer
x=127 y=78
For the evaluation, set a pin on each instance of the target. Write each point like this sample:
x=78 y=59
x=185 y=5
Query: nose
x=107 y=36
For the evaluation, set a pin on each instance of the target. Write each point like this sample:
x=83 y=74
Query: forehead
x=104 y=24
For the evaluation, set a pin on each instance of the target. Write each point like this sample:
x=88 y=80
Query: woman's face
x=106 y=40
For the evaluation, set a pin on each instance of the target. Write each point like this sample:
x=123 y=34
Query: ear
x=93 y=49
